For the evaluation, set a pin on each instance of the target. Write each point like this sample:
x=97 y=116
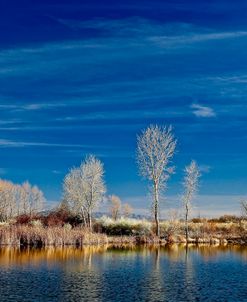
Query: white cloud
x=202 y=111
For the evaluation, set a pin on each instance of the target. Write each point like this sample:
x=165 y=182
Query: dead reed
x=48 y=236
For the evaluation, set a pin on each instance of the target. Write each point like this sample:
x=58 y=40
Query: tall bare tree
x=155 y=149
x=84 y=188
x=94 y=186
x=190 y=183
x=115 y=206
x=74 y=192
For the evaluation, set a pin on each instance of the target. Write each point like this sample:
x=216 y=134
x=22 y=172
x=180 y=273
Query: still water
x=171 y=273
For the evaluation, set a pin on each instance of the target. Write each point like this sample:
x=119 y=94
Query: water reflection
x=16 y=255
x=126 y=273
x=176 y=253
x=10 y=256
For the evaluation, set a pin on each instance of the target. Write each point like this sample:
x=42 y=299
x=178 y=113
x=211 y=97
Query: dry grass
x=123 y=231
x=55 y=236
x=205 y=232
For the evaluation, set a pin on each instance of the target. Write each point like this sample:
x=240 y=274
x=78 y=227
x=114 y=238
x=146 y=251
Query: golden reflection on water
x=10 y=255
x=50 y=255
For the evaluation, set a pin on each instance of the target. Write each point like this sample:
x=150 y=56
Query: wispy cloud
x=190 y=38
x=31 y=106
x=202 y=111
x=5 y=143
x=35 y=106
x=100 y=150
x=124 y=114
x=125 y=37
x=168 y=34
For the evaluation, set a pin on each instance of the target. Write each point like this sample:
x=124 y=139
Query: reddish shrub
x=23 y=219
x=56 y=218
x=26 y=219
x=60 y=217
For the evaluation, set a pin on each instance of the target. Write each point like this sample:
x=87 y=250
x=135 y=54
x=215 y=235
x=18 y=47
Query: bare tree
x=127 y=210
x=84 y=188
x=94 y=186
x=155 y=149
x=74 y=192
x=115 y=206
x=37 y=200
x=19 y=199
x=18 y=195
x=190 y=183
x=26 y=198
x=243 y=204
x=7 y=202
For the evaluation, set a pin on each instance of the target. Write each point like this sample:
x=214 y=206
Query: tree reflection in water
x=123 y=273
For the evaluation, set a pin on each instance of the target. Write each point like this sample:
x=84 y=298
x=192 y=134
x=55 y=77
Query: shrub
x=67 y=226
x=60 y=217
x=56 y=218
x=26 y=219
x=198 y=220
x=170 y=228
x=225 y=219
x=36 y=223
x=123 y=226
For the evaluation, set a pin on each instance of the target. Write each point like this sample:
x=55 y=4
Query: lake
x=105 y=273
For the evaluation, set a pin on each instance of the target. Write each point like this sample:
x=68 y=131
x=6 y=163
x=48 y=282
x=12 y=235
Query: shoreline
x=27 y=236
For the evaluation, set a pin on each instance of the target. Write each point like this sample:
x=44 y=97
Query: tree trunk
x=186 y=224
x=156 y=209
x=84 y=218
x=89 y=221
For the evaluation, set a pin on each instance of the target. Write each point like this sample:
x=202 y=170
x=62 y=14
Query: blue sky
x=80 y=77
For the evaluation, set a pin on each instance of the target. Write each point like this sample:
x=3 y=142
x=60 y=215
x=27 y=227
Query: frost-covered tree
x=115 y=206
x=190 y=183
x=155 y=149
x=7 y=202
x=74 y=192
x=26 y=198
x=84 y=188
x=37 y=200
x=19 y=199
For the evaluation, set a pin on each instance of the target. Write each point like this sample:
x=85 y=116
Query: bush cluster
x=123 y=226
x=57 y=217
